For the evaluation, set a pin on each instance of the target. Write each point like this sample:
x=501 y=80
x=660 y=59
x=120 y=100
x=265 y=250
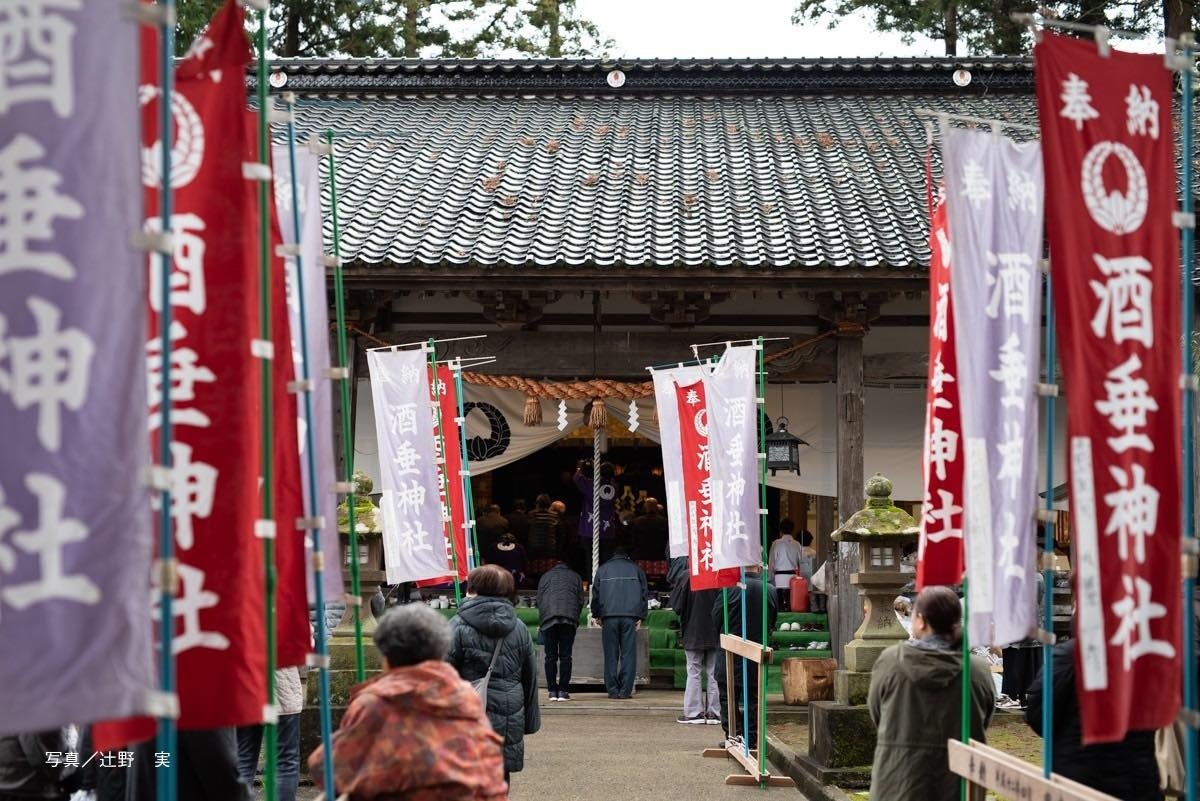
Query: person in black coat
x=755 y=590
x=28 y=772
x=485 y=620
x=649 y=532
x=1125 y=770
x=701 y=641
x=205 y=762
x=619 y=603
x=559 y=602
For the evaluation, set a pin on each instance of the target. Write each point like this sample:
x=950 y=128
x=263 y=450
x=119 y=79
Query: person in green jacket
x=915 y=701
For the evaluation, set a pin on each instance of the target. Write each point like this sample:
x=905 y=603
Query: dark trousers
x=723 y=690
x=206 y=767
x=250 y=739
x=619 y=638
x=559 y=640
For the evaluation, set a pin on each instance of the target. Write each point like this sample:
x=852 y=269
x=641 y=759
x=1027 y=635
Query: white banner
x=414 y=543
x=668 y=433
x=316 y=329
x=731 y=389
x=994 y=200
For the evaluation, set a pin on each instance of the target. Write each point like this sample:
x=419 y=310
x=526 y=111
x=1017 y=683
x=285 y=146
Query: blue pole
x=745 y=671
x=1189 y=464
x=314 y=504
x=473 y=555
x=165 y=785
x=1048 y=551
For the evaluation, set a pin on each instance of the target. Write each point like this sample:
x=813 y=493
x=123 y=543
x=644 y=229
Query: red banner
x=1110 y=196
x=940 y=557
x=219 y=628
x=450 y=476
x=293 y=634
x=697 y=492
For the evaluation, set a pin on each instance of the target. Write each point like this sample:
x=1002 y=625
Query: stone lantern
x=881 y=530
x=369 y=530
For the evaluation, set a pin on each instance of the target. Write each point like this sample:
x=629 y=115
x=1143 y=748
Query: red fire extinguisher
x=798 y=594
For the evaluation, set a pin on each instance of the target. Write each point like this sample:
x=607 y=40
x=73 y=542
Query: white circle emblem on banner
x=607 y=492
x=188 y=151
x=701 y=422
x=1116 y=212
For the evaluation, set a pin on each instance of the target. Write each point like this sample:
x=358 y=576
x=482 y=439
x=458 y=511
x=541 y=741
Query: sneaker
x=553 y=695
x=712 y=720
x=564 y=696
x=732 y=742
x=698 y=719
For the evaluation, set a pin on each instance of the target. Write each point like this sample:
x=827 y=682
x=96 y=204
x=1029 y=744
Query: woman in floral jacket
x=418 y=732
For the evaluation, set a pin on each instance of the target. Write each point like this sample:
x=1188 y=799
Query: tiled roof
x=759 y=166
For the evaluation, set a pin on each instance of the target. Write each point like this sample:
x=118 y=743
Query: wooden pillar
x=826 y=523
x=845 y=610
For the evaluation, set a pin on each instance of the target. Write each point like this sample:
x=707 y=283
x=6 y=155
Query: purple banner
x=994 y=202
x=316 y=309
x=75 y=533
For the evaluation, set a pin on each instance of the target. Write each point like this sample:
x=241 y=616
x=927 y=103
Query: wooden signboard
x=986 y=768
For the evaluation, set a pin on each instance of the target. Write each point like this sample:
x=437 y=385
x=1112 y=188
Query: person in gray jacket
x=487 y=621
x=559 y=602
x=619 y=603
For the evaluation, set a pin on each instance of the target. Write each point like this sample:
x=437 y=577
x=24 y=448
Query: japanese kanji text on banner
x=75 y=528
x=668 y=427
x=414 y=542
x=730 y=390
x=1106 y=134
x=697 y=489
x=994 y=209
x=940 y=555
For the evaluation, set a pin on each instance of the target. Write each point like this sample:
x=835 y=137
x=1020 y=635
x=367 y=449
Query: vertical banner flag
x=669 y=435
x=316 y=307
x=293 y=634
x=1106 y=130
x=693 y=419
x=414 y=544
x=994 y=207
x=940 y=553
x=450 y=488
x=75 y=536
x=731 y=390
x=219 y=633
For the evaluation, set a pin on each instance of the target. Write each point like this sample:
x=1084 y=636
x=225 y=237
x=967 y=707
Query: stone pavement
x=595 y=749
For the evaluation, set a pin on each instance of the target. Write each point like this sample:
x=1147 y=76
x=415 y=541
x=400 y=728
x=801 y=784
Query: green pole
x=447 y=507
x=270 y=732
x=762 y=517
x=339 y=294
x=965 y=713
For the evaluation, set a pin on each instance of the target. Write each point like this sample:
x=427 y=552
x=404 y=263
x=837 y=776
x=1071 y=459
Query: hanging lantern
x=783 y=449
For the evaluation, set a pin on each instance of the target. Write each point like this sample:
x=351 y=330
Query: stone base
x=840 y=736
x=850 y=687
x=862 y=654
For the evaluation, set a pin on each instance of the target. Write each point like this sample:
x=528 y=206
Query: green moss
x=879 y=519
x=366 y=514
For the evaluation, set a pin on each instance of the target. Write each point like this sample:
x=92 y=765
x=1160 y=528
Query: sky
x=741 y=29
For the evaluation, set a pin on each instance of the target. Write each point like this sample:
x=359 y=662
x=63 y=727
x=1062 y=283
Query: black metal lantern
x=783 y=449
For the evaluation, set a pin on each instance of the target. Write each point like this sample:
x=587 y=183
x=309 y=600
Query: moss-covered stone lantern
x=368 y=525
x=881 y=530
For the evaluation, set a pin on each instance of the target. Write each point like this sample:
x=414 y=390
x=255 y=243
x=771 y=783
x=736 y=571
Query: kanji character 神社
x=943 y=513
x=1133 y=511
x=943 y=447
x=49 y=369
x=1135 y=611
x=36 y=62
x=193 y=599
x=193 y=490
x=29 y=204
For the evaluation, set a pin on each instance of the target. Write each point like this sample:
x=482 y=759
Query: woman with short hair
x=487 y=632
x=915 y=701
x=418 y=732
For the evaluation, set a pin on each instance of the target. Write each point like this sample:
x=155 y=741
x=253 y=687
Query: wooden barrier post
x=986 y=768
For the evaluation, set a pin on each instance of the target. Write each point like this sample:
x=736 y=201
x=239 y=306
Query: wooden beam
x=845 y=609
x=1001 y=773
x=747 y=648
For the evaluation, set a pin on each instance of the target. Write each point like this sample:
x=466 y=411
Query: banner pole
x=474 y=558
x=1048 y=550
x=595 y=505
x=270 y=731
x=339 y=291
x=745 y=668
x=440 y=437
x=762 y=517
x=1189 y=462
x=313 y=510
x=965 y=699
x=165 y=787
